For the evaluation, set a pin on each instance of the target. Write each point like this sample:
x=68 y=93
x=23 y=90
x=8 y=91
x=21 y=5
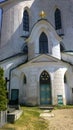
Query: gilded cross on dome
x=42 y=14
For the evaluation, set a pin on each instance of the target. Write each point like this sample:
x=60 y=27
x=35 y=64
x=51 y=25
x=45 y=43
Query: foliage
x=3 y=92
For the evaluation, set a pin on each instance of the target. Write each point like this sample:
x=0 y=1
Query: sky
x=1 y=0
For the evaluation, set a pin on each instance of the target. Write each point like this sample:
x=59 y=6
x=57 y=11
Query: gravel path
x=62 y=120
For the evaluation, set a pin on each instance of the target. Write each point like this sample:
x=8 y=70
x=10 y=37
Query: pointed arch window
x=58 y=24
x=65 y=79
x=25 y=21
x=45 y=78
x=24 y=79
x=43 y=43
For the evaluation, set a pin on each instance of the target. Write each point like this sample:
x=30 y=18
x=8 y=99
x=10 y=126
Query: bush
x=3 y=91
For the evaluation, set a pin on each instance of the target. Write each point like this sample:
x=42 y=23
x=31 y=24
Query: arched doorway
x=45 y=89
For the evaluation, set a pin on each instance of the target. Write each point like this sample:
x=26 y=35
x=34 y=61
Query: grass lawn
x=29 y=120
x=63 y=107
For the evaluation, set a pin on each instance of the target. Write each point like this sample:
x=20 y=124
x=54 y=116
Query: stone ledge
x=12 y=117
x=46 y=107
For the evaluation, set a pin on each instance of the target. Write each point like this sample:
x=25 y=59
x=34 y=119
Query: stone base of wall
x=3 y=118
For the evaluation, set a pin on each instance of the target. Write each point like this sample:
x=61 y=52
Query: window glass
x=24 y=79
x=65 y=80
x=58 y=24
x=25 y=21
x=43 y=43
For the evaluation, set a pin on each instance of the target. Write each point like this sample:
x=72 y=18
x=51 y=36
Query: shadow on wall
x=15 y=33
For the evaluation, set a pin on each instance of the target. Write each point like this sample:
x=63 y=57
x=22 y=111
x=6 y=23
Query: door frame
x=40 y=86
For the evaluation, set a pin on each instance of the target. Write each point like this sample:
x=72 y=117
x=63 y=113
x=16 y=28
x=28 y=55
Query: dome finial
x=42 y=14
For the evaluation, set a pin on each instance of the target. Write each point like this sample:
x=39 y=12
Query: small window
x=24 y=79
x=25 y=49
x=58 y=24
x=65 y=79
x=62 y=48
x=25 y=21
x=72 y=90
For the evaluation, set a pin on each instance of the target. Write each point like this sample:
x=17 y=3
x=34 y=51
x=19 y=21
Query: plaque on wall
x=60 y=99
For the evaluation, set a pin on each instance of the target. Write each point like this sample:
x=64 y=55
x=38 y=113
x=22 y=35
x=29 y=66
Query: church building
x=36 y=51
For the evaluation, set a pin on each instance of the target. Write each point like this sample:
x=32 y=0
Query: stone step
x=46 y=107
x=46 y=115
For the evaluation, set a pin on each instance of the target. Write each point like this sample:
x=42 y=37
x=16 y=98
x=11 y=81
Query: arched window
x=45 y=78
x=58 y=24
x=25 y=21
x=65 y=79
x=1 y=12
x=24 y=79
x=43 y=43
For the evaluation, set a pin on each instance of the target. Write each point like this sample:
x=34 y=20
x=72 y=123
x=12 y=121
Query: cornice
x=4 y=3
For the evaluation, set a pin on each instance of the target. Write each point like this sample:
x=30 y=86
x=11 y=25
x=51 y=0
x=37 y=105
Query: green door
x=45 y=89
x=45 y=94
x=14 y=96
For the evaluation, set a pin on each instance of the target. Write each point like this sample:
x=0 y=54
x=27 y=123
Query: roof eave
x=3 y=2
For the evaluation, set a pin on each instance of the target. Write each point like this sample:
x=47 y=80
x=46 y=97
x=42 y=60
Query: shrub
x=3 y=91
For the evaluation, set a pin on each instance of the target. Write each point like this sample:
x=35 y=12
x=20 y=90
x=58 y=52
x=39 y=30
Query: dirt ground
x=63 y=120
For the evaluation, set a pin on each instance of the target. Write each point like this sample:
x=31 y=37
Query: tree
x=3 y=91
